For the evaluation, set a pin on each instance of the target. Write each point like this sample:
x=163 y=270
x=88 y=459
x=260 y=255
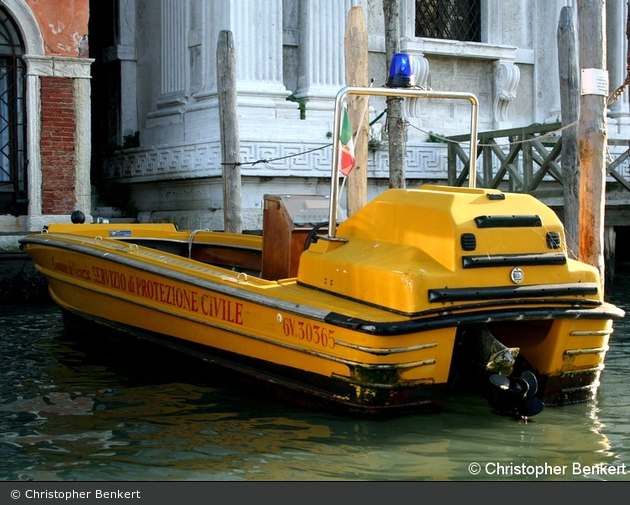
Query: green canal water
x=82 y=408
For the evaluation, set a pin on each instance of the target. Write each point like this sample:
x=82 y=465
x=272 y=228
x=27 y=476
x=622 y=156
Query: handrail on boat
x=402 y=93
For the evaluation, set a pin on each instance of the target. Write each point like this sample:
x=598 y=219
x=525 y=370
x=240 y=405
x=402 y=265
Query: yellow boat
x=421 y=292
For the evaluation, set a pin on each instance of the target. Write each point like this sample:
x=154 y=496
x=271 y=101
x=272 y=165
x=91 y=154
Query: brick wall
x=57 y=145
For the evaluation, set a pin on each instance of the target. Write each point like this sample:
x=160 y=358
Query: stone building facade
x=154 y=141
x=44 y=112
x=292 y=52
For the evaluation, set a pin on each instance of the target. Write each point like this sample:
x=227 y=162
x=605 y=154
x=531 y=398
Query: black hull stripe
x=439 y=320
x=486 y=316
x=502 y=292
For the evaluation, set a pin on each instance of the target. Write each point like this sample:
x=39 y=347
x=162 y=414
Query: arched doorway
x=13 y=160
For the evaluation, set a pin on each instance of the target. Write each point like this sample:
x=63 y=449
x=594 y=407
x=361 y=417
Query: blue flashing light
x=401 y=71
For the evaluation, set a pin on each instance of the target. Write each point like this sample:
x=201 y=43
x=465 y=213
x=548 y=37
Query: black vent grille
x=469 y=242
x=553 y=240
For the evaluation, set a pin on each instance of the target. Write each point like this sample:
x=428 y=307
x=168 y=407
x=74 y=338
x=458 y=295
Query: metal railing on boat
x=401 y=93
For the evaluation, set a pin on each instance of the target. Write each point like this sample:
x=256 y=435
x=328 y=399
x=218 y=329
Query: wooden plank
x=612 y=170
x=488 y=150
x=459 y=152
x=455 y=152
x=232 y=257
x=528 y=166
x=620 y=159
x=517 y=182
x=620 y=179
x=509 y=132
x=507 y=165
x=451 y=164
x=546 y=163
x=479 y=151
x=497 y=151
x=616 y=216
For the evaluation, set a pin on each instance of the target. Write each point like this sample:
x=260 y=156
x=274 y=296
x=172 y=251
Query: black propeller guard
x=514 y=396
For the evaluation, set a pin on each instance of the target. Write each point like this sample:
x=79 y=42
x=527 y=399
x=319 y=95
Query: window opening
x=449 y=19
x=13 y=176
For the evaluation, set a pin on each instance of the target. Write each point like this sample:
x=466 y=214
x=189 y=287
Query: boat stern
x=471 y=258
x=415 y=250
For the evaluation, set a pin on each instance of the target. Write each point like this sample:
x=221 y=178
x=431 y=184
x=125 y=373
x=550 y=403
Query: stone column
x=126 y=53
x=82 y=144
x=33 y=106
x=174 y=73
x=257 y=29
x=322 y=66
x=616 y=55
x=492 y=30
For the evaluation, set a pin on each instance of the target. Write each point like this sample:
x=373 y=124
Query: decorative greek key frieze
x=264 y=159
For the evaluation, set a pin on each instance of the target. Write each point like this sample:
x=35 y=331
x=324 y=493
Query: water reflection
x=90 y=408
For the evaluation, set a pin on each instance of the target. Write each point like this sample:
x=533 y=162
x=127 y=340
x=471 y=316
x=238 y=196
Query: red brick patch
x=57 y=145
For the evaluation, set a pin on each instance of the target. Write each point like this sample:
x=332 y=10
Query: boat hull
x=306 y=344
x=279 y=382
x=242 y=325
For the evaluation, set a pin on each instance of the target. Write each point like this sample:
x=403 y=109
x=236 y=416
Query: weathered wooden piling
x=592 y=134
x=570 y=110
x=230 y=143
x=356 y=61
x=395 y=120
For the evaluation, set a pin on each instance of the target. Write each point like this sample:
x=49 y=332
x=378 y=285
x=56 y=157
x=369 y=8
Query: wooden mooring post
x=592 y=133
x=395 y=120
x=230 y=143
x=570 y=110
x=356 y=61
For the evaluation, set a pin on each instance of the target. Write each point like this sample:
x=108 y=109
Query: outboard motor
x=489 y=368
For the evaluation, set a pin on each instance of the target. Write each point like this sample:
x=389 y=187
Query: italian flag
x=346 y=146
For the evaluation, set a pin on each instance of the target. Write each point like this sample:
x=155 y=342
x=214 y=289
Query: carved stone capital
x=413 y=106
x=506 y=78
